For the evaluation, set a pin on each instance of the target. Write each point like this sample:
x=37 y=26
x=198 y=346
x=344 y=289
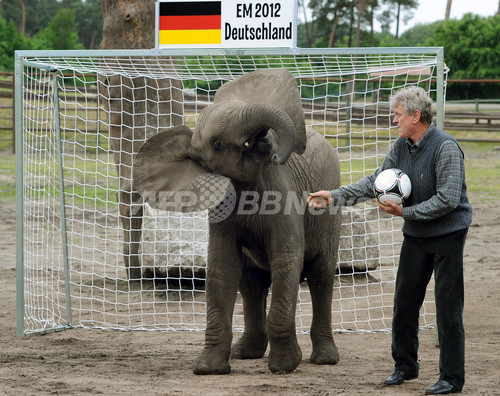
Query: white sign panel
x=226 y=23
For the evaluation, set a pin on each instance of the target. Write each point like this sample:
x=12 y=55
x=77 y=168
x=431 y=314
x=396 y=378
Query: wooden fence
x=474 y=116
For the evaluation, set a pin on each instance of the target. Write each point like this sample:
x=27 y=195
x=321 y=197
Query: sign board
x=226 y=23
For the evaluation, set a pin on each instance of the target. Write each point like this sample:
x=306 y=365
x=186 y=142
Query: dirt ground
x=78 y=362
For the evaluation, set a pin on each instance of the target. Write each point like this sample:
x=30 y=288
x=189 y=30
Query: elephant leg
x=131 y=212
x=284 y=354
x=223 y=275
x=254 y=287
x=320 y=276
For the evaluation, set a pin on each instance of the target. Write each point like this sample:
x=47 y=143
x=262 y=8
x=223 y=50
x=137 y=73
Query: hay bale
x=359 y=246
x=175 y=245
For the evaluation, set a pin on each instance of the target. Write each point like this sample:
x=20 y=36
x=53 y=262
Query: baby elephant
x=252 y=150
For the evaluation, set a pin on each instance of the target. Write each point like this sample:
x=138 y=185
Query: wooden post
x=13 y=114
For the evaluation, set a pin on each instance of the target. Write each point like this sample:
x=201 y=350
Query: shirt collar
x=413 y=147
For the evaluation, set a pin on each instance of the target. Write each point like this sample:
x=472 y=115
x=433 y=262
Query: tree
x=361 y=9
x=418 y=35
x=22 y=25
x=30 y=16
x=339 y=11
x=60 y=33
x=371 y=15
x=128 y=23
x=330 y=18
x=10 y=40
x=448 y=10
x=401 y=7
x=89 y=21
x=131 y=24
x=471 y=48
x=306 y=23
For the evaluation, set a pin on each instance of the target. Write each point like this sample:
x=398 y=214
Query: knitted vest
x=420 y=167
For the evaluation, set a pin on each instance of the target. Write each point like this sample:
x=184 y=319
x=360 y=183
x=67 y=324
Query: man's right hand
x=320 y=199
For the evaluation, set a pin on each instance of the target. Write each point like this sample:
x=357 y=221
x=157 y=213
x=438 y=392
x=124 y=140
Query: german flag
x=190 y=22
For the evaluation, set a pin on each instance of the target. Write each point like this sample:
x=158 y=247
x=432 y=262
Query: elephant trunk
x=252 y=118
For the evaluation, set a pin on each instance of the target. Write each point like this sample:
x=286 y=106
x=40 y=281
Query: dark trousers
x=418 y=259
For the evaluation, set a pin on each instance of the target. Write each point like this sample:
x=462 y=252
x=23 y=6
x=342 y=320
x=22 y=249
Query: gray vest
x=420 y=167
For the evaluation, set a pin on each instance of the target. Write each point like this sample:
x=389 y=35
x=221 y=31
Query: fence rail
x=475 y=115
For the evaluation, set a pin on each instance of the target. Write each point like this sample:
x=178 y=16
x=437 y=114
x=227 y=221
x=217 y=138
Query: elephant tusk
x=247 y=145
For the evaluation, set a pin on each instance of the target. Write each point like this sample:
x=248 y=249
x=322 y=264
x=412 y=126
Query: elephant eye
x=218 y=145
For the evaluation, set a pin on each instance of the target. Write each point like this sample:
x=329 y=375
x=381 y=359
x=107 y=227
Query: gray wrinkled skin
x=255 y=135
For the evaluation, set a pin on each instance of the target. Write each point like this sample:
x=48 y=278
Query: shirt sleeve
x=362 y=190
x=450 y=174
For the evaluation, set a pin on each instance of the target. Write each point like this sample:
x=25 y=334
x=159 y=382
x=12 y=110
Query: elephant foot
x=206 y=364
x=134 y=270
x=285 y=357
x=134 y=273
x=249 y=347
x=325 y=354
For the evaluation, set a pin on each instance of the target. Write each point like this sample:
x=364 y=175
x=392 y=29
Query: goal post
x=80 y=117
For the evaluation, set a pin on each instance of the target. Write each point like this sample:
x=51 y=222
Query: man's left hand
x=391 y=208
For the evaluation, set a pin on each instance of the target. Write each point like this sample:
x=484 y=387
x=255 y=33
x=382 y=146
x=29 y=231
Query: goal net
x=81 y=117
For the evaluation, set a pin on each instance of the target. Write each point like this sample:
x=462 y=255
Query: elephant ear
x=274 y=86
x=169 y=179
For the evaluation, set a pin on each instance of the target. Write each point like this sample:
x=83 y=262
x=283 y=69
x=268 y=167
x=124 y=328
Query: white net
x=78 y=239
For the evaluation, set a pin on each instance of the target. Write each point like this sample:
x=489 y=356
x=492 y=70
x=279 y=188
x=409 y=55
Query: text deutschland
x=263 y=32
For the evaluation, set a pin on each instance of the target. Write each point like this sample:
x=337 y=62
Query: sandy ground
x=78 y=362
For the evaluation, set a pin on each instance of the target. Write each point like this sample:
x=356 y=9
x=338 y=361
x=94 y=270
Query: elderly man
x=436 y=217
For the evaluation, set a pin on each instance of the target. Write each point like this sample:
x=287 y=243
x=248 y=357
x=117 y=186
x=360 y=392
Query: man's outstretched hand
x=320 y=199
x=323 y=198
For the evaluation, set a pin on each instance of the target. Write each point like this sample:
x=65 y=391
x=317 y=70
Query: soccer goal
x=82 y=115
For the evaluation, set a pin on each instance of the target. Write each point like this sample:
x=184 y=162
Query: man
x=436 y=219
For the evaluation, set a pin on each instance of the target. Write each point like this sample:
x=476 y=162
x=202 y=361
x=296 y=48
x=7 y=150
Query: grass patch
x=90 y=183
x=91 y=177
x=482 y=171
x=7 y=176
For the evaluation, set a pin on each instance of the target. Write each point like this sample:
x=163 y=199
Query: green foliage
x=10 y=40
x=60 y=34
x=386 y=39
x=39 y=13
x=418 y=35
x=89 y=22
x=471 y=49
x=471 y=44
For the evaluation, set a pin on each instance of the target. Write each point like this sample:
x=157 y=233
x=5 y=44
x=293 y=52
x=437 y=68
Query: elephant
x=254 y=136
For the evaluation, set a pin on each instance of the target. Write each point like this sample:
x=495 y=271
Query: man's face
x=405 y=122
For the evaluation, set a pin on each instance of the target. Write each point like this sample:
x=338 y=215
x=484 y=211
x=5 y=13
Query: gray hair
x=414 y=98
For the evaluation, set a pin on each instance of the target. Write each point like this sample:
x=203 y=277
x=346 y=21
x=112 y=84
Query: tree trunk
x=92 y=40
x=128 y=24
x=498 y=11
x=397 y=20
x=372 y=30
x=351 y=23
x=448 y=10
x=361 y=9
x=331 y=39
x=137 y=107
x=22 y=25
x=306 y=24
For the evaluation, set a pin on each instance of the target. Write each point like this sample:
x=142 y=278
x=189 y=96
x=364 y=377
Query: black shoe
x=442 y=388
x=398 y=377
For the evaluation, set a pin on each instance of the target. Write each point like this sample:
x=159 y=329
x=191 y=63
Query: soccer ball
x=392 y=185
